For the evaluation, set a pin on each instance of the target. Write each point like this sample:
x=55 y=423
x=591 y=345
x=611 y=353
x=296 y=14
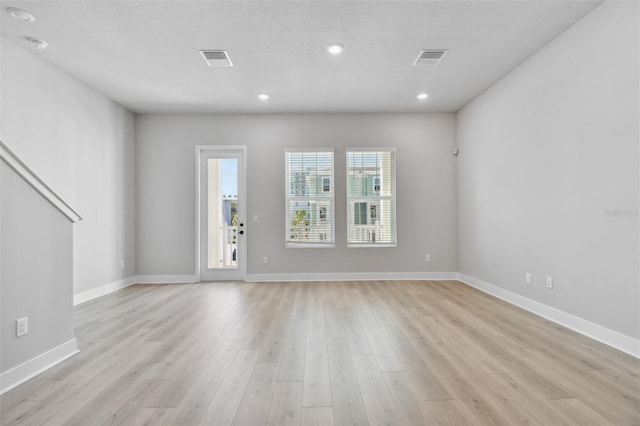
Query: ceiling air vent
x=430 y=58
x=216 y=58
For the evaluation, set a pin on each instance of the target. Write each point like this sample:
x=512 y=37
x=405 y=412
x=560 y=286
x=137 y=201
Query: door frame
x=200 y=151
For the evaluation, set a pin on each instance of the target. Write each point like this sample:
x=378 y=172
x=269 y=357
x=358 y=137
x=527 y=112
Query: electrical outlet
x=527 y=278
x=427 y=258
x=256 y=219
x=549 y=282
x=265 y=260
x=122 y=264
x=22 y=326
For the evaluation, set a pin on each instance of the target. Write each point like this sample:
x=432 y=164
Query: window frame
x=326 y=196
x=376 y=184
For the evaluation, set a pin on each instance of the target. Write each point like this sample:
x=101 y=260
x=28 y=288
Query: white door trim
x=199 y=152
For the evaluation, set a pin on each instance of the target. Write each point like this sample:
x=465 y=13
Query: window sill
x=371 y=245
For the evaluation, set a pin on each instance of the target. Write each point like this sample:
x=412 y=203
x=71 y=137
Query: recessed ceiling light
x=38 y=44
x=263 y=96
x=21 y=15
x=422 y=96
x=335 y=48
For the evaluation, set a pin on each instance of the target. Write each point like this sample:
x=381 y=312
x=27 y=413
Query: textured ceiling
x=145 y=54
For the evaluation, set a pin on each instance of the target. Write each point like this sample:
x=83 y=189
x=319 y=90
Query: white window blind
x=371 y=197
x=309 y=198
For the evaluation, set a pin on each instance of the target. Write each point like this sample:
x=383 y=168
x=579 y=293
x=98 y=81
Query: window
x=371 y=197
x=360 y=213
x=326 y=185
x=309 y=198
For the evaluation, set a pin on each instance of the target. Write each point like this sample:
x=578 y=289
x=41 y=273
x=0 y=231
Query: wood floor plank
x=20 y=412
x=625 y=382
x=511 y=358
x=274 y=345
x=461 y=386
x=267 y=313
x=316 y=416
x=572 y=411
x=353 y=330
x=222 y=408
x=292 y=360
x=85 y=388
x=182 y=375
x=348 y=408
x=286 y=404
x=243 y=324
x=429 y=385
x=154 y=417
x=254 y=407
x=355 y=334
x=406 y=397
x=343 y=353
x=130 y=408
x=612 y=403
x=45 y=413
x=448 y=413
x=195 y=403
x=89 y=373
x=380 y=347
x=333 y=304
x=102 y=406
x=317 y=382
x=316 y=391
x=515 y=407
x=378 y=403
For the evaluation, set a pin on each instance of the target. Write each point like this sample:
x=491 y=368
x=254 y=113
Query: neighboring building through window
x=309 y=198
x=371 y=197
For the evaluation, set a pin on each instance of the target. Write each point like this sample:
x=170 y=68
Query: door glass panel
x=222 y=213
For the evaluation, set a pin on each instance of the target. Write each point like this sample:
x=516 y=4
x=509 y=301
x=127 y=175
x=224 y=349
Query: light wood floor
x=378 y=353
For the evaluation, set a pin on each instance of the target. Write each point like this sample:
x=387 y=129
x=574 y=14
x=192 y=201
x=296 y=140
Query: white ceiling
x=145 y=54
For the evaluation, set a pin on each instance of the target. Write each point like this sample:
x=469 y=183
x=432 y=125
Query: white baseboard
x=165 y=279
x=25 y=371
x=597 y=332
x=85 y=296
x=353 y=276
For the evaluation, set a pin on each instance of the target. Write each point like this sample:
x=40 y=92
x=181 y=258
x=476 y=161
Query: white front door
x=221 y=213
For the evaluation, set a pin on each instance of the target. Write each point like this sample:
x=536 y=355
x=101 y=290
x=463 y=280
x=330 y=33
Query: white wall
x=82 y=145
x=426 y=177
x=35 y=272
x=547 y=155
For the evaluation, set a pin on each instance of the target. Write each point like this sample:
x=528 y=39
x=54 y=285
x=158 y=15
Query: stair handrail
x=13 y=161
